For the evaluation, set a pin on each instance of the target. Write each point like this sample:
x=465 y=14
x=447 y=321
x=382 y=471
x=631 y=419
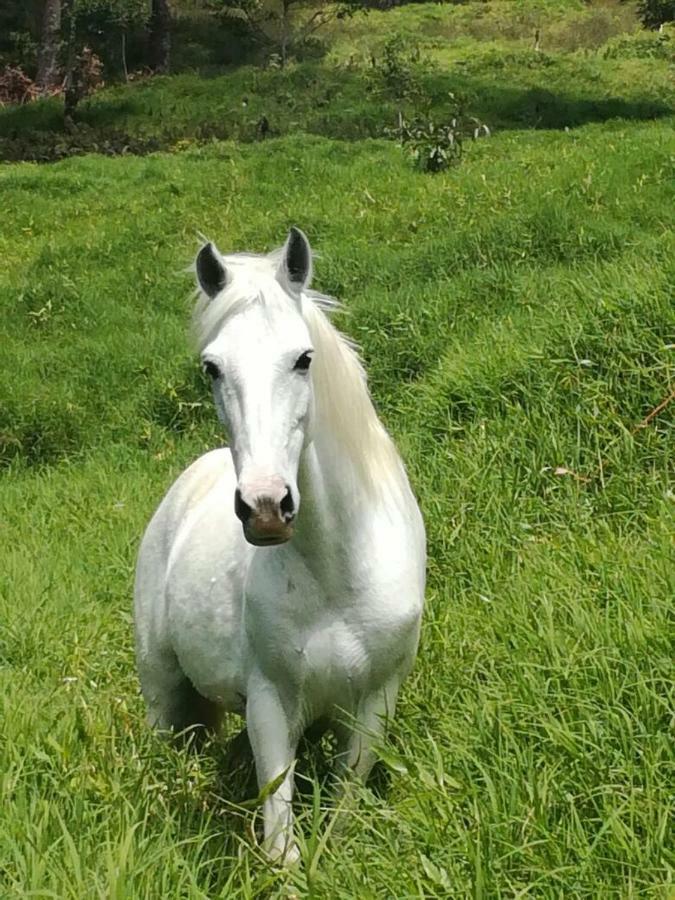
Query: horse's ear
x=295 y=269
x=211 y=271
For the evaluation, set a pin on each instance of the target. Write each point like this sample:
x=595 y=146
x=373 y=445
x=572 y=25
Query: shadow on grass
x=315 y=762
x=538 y=107
x=235 y=788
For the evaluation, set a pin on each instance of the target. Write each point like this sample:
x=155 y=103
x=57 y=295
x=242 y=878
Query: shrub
x=590 y=29
x=398 y=70
x=435 y=146
x=284 y=29
x=643 y=45
x=16 y=86
x=85 y=76
x=19 y=49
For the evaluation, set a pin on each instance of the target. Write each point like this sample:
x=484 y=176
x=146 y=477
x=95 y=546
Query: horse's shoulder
x=199 y=479
x=186 y=495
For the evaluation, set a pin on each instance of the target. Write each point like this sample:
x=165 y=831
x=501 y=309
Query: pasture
x=516 y=319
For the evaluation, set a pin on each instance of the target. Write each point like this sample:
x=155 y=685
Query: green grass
x=492 y=69
x=573 y=25
x=516 y=318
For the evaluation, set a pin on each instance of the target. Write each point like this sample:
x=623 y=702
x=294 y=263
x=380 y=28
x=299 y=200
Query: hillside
x=516 y=320
x=420 y=59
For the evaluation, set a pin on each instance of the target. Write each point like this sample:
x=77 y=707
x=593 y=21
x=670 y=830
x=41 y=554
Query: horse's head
x=257 y=352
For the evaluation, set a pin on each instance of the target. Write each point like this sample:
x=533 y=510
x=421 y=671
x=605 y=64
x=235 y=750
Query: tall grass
x=516 y=319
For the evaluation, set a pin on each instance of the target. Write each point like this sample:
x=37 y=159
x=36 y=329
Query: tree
x=49 y=73
x=282 y=25
x=104 y=26
x=90 y=28
x=20 y=31
x=654 y=13
x=159 y=36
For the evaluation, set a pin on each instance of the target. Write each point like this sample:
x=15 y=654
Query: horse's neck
x=336 y=503
x=351 y=471
x=329 y=484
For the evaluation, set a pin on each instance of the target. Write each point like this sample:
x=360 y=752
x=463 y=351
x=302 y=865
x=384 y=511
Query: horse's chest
x=333 y=661
x=328 y=646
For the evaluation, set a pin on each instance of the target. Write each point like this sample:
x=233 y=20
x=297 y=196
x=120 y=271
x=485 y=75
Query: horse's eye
x=302 y=363
x=211 y=369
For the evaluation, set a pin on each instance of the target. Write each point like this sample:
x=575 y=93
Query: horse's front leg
x=274 y=741
x=357 y=738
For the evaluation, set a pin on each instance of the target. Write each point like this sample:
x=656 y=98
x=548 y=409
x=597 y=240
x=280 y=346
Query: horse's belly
x=205 y=627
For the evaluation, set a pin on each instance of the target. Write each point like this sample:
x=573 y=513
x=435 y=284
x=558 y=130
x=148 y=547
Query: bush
x=590 y=29
x=283 y=29
x=643 y=45
x=398 y=70
x=20 y=49
x=436 y=146
x=16 y=87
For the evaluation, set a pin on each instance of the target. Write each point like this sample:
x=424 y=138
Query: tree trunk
x=159 y=36
x=284 y=32
x=71 y=84
x=48 y=76
x=125 y=68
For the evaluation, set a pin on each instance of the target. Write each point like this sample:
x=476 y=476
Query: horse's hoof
x=284 y=856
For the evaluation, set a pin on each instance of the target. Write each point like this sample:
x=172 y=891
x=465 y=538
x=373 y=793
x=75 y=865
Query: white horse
x=246 y=601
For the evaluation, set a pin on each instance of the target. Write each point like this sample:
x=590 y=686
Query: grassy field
x=517 y=322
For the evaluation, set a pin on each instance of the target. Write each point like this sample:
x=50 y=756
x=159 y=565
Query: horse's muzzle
x=267 y=521
x=267 y=539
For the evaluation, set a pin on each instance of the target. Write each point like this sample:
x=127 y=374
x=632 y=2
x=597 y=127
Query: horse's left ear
x=295 y=269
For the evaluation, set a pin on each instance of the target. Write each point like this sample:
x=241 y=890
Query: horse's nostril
x=242 y=510
x=287 y=506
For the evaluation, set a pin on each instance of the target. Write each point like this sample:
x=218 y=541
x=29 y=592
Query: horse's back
x=189 y=580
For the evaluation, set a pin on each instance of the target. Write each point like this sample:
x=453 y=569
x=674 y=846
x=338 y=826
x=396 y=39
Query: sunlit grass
x=516 y=320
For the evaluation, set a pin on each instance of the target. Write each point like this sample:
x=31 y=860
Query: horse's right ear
x=211 y=271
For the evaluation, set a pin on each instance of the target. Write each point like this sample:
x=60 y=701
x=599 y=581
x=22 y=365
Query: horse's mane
x=343 y=407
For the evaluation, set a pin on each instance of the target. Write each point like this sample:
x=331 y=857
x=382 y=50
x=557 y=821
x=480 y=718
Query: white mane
x=343 y=407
